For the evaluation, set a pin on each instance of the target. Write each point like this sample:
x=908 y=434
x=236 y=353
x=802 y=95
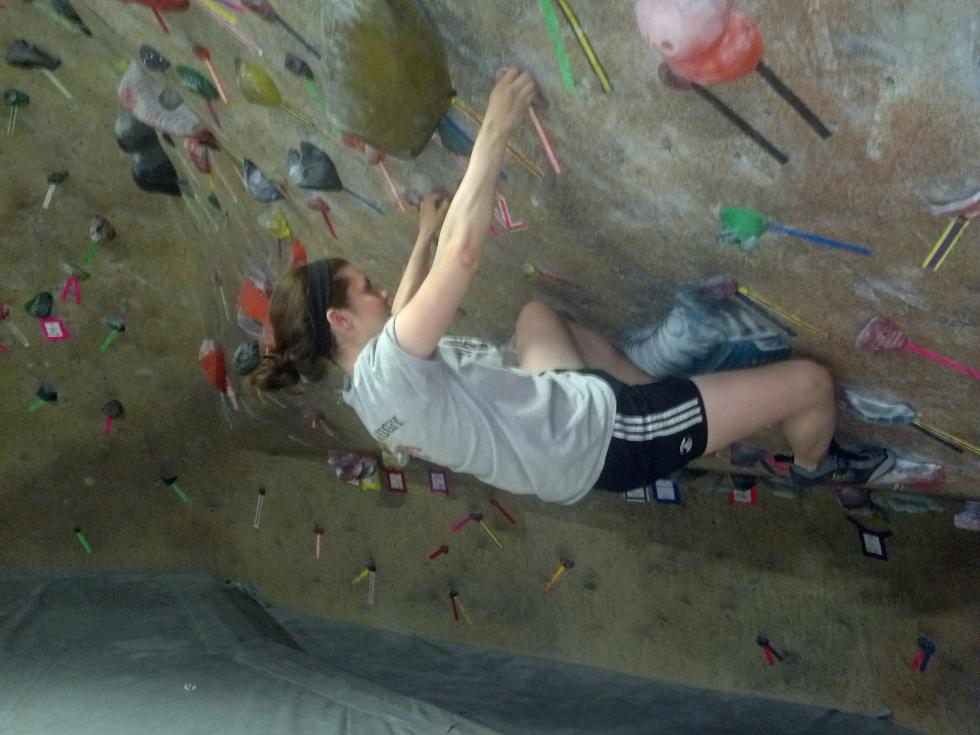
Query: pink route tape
x=502 y=213
x=549 y=147
x=72 y=284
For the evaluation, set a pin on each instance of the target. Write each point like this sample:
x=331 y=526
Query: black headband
x=319 y=275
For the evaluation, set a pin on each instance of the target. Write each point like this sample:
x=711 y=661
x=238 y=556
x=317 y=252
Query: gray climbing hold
x=28 y=56
x=47 y=392
x=247 y=357
x=74 y=269
x=100 y=230
x=258 y=184
x=311 y=168
x=153 y=59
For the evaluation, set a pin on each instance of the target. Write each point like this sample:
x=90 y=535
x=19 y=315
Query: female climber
x=574 y=413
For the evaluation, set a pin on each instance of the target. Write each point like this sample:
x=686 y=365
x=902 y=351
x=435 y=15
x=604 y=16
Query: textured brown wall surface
x=678 y=592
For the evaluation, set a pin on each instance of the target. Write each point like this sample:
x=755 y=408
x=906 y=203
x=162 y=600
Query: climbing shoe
x=846 y=467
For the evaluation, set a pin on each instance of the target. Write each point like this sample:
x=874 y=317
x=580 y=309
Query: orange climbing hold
x=253 y=304
x=735 y=54
x=298 y=256
x=212 y=359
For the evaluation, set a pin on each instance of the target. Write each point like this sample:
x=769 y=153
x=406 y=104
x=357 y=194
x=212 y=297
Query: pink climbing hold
x=734 y=55
x=681 y=29
x=882 y=334
x=198 y=152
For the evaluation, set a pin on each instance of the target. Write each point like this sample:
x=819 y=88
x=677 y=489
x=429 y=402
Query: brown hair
x=292 y=325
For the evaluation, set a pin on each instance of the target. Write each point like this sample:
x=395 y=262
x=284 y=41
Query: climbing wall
x=822 y=157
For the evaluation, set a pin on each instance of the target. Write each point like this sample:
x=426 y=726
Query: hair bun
x=276 y=371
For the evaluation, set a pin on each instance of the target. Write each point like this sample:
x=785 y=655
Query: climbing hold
x=258 y=88
x=156 y=105
x=905 y=502
x=151 y=169
x=264 y=10
x=745 y=226
x=273 y=221
x=153 y=172
x=116 y=326
x=40 y=305
x=453 y=138
x=65 y=9
x=253 y=305
x=28 y=56
x=736 y=53
x=199 y=153
x=926 y=650
x=45 y=393
x=375 y=157
x=298 y=66
x=204 y=55
x=153 y=59
x=14 y=99
x=772 y=655
x=170 y=480
x=160 y=6
x=890 y=412
x=100 y=231
x=54 y=181
x=882 y=334
x=247 y=357
x=74 y=270
x=389 y=82
x=298 y=255
x=112 y=409
x=258 y=184
x=311 y=168
x=131 y=134
x=201 y=86
x=679 y=29
x=320 y=205
x=212 y=358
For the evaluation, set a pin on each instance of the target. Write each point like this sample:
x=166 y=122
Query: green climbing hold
x=197 y=83
x=40 y=305
x=742 y=225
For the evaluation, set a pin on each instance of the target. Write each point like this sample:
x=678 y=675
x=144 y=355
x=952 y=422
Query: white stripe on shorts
x=659 y=420
x=636 y=434
x=651 y=417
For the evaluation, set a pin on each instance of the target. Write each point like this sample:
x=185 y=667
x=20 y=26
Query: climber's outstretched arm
x=432 y=213
x=424 y=320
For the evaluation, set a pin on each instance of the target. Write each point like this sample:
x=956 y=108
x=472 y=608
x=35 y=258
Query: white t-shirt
x=464 y=409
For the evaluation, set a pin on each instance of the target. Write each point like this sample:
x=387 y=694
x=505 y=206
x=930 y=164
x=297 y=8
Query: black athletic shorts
x=659 y=428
